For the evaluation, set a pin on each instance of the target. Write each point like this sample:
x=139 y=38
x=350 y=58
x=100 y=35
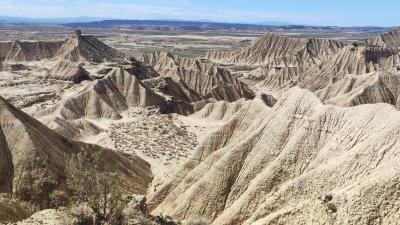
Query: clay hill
x=279 y=51
x=77 y=48
x=299 y=162
x=391 y=40
x=32 y=159
x=341 y=74
x=192 y=81
x=107 y=98
x=69 y=71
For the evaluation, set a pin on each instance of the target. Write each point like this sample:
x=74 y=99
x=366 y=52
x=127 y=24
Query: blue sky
x=310 y=12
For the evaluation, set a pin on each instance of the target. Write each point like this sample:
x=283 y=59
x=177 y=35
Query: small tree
x=89 y=182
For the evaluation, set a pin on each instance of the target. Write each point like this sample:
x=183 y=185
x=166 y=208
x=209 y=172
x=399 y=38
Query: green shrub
x=89 y=182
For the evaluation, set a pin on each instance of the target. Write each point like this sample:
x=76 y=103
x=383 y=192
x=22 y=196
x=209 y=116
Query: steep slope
x=279 y=51
x=280 y=60
x=77 y=48
x=221 y=110
x=106 y=98
x=350 y=60
x=276 y=173
x=87 y=48
x=200 y=76
x=28 y=51
x=6 y=166
x=390 y=40
x=38 y=155
x=376 y=87
x=69 y=71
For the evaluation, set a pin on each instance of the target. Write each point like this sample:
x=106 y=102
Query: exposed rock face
x=69 y=71
x=275 y=173
x=281 y=60
x=87 y=48
x=38 y=155
x=107 y=98
x=376 y=87
x=350 y=60
x=198 y=79
x=278 y=51
x=28 y=51
x=322 y=65
x=391 y=40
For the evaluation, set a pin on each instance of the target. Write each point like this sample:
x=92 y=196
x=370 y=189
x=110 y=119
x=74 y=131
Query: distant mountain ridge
x=47 y=21
x=193 y=24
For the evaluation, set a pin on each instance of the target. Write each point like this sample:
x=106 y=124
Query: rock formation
x=69 y=71
x=28 y=51
x=279 y=51
x=376 y=87
x=276 y=171
x=107 y=98
x=350 y=60
x=390 y=40
x=322 y=65
x=195 y=80
x=38 y=155
x=87 y=48
x=77 y=48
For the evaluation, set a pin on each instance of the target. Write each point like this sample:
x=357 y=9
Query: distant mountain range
x=46 y=21
x=106 y=22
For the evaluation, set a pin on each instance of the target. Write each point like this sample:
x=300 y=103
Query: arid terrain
x=276 y=126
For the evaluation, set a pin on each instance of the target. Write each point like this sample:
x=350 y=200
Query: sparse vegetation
x=89 y=183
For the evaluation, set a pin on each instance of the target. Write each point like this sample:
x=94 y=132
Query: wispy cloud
x=172 y=9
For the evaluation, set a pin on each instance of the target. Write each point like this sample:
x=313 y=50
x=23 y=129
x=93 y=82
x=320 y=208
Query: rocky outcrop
x=107 y=98
x=376 y=87
x=280 y=60
x=350 y=60
x=87 y=48
x=390 y=40
x=38 y=155
x=279 y=51
x=277 y=171
x=69 y=71
x=201 y=76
